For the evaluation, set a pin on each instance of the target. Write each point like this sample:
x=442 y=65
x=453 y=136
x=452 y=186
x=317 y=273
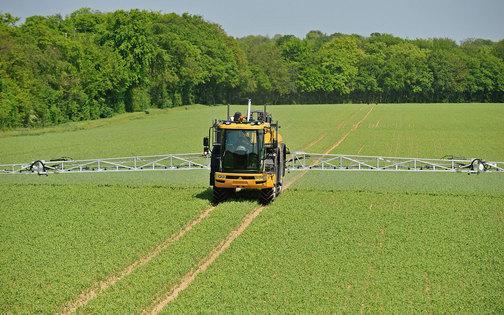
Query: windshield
x=242 y=150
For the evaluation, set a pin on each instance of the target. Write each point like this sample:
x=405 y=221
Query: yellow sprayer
x=246 y=152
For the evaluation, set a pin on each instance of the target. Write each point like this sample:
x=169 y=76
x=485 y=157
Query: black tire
x=284 y=158
x=267 y=195
x=279 y=188
x=39 y=167
x=218 y=196
x=221 y=194
x=478 y=165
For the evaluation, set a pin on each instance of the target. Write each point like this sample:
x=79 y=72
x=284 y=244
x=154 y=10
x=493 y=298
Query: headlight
x=220 y=176
x=262 y=177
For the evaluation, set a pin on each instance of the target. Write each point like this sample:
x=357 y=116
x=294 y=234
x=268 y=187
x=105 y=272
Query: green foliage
x=449 y=73
x=139 y=100
x=499 y=49
x=269 y=69
x=424 y=130
x=7 y=19
x=405 y=73
x=354 y=250
x=91 y=65
x=70 y=236
x=338 y=59
x=335 y=241
x=380 y=68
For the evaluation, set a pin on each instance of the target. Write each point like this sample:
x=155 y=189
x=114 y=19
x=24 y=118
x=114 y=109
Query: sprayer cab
x=247 y=152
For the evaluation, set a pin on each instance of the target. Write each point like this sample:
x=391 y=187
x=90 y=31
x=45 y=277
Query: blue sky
x=456 y=19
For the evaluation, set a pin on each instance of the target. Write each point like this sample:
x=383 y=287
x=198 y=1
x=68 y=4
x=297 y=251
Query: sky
x=456 y=19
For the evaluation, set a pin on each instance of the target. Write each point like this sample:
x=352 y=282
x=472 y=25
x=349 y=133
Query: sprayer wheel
x=219 y=195
x=267 y=195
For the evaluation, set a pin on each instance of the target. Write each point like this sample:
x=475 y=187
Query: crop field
x=332 y=242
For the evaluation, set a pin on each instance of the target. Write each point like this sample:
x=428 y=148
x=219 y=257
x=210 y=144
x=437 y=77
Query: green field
x=334 y=242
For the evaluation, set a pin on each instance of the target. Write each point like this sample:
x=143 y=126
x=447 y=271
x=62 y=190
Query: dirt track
x=354 y=127
x=311 y=144
x=188 y=278
x=89 y=294
x=205 y=263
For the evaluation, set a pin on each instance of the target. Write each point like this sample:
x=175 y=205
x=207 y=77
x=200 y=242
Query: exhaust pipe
x=249 y=109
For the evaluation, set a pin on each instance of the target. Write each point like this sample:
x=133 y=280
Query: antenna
x=249 y=109
x=228 y=117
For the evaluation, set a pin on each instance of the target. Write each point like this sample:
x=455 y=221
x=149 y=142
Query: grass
x=336 y=241
x=57 y=240
x=170 y=131
x=138 y=291
x=339 y=251
x=410 y=183
x=423 y=130
x=177 y=179
x=430 y=130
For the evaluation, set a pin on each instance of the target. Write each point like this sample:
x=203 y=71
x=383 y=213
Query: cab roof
x=243 y=126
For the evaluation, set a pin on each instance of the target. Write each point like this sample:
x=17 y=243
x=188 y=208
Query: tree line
x=91 y=65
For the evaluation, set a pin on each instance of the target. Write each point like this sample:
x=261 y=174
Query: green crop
x=139 y=290
x=335 y=241
x=57 y=240
x=430 y=130
x=350 y=251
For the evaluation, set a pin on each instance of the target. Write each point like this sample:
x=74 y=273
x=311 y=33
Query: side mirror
x=206 y=143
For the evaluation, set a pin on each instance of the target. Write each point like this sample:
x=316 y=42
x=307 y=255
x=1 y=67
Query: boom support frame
x=295 y=161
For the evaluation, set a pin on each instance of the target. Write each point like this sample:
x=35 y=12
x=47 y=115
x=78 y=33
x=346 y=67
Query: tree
x=270 y=71
x=7 y=19
x=338 y=60
x=405 y=75
x=367 y=85
x=498 y=49
x=449 y=73
x=485 y=80
x=89 y=65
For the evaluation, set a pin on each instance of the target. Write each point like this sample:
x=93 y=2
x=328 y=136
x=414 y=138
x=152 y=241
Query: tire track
x=311 y=144
x=89 y=294
x=360 y=150
x=354 y=127
x=206 y=262
x=335 y=145
x=338 y=127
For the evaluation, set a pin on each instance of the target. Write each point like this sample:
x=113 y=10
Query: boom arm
x=295 y=161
